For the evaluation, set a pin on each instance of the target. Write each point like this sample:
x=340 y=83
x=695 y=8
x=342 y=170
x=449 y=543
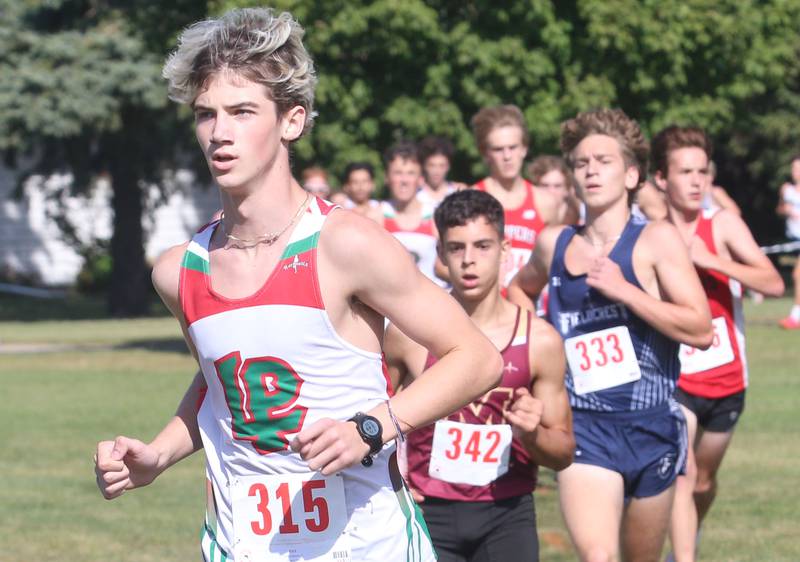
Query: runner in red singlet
x=475 y=470
x=502 y=139
x=712 y=384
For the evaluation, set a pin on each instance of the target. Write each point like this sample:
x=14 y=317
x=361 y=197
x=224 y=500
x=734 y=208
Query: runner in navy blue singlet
x=623 y=295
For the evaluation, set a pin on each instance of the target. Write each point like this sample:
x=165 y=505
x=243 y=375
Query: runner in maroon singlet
x=474 y=471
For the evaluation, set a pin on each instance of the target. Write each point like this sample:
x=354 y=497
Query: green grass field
x=67 y=384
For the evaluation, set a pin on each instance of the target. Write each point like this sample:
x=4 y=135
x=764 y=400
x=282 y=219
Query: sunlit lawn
x=127 y=376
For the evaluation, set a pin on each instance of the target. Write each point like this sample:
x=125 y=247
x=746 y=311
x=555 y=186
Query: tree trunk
x=129 y=291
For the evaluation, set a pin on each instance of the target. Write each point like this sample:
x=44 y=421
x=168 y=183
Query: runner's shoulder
x=548 y=236
x=657 y=234
x=729 y=222
x=547 y=339
x=166 y=274
x=351 y=240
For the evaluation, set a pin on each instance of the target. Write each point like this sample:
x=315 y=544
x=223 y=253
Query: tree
x=729 y=66
x=81 y=92
x=80 y=87
x=390 y=70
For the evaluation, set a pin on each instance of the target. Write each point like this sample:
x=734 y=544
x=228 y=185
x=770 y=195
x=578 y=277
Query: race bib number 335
x=290 y=517
x=695 y=360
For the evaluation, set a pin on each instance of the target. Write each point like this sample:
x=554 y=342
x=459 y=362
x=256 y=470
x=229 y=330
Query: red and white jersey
x=721 y=370
x=471 y=455
x=523 y=225
x=274 y=364
x=420 y=242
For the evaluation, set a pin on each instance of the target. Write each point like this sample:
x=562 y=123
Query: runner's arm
x=531 y=279
x=750 y=266
x=181 y=436
x=383 y=276
x=126 y=463
x=725 y=201
x=651 y=202
x=405 y=359
x=549 y=442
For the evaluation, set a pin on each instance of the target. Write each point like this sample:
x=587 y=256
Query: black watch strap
x=371 y=432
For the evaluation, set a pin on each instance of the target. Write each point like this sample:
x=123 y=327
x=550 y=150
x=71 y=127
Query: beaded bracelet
x=400 y=435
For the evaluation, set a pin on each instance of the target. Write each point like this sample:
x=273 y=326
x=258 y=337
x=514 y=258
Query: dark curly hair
x=462 y=206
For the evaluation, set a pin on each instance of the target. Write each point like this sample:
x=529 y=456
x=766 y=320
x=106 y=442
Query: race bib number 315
x=464 y=453
x=290 y=517
x=602 y=359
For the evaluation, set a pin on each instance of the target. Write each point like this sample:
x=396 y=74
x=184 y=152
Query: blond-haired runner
x=623 y=294
x=711 y=388
x=282 y=303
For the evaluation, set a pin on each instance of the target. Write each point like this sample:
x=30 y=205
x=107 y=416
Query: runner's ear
x=293 y=123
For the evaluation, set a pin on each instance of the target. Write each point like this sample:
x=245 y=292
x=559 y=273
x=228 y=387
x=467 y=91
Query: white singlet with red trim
x=274 y=364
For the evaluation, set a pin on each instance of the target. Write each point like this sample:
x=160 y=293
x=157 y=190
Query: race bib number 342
x=464 y=453
x=602 y=359
x=290 y=517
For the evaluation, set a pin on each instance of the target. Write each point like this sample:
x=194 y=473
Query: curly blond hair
x=613 y=123
x=253 y=43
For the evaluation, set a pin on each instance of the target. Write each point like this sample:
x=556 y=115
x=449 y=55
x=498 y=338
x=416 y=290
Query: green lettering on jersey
x=262 y=397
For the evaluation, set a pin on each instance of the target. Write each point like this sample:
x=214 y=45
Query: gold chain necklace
x=269 y=239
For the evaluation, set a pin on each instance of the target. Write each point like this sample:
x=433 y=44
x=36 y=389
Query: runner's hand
x=606 y=276
x=525 y=413
x=124 y=464
x=330 y=446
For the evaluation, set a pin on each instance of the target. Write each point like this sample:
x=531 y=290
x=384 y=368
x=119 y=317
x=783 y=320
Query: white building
x=32 y=245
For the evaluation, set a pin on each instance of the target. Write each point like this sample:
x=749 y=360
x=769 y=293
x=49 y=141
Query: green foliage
x=95 y=275
x=394 y=70
x=80 y=78
x=81 y=91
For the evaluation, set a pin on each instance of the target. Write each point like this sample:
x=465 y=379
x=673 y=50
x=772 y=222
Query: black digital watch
x=371 y=432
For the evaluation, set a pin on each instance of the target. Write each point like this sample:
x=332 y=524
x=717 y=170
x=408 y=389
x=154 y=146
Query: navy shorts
x=647 y=447
x=713 y=414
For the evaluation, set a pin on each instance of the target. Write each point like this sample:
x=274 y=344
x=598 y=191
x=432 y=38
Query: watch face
x=371 y=427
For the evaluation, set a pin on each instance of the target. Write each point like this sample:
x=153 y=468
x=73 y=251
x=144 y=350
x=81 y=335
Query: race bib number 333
x=602 y=359
x=290 y=517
